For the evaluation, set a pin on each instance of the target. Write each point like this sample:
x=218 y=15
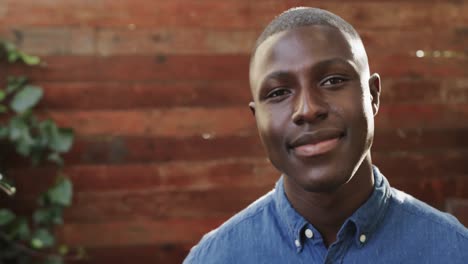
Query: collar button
x=309 y=233
x=362 y=238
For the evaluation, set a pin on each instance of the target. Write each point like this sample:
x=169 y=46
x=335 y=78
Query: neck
x=327 y=211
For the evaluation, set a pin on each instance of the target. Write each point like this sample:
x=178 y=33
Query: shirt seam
x=245 y=218
x=445 y=225
x=230 y=228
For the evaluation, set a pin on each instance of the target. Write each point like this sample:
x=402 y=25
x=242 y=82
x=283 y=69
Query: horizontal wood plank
x=118 y=150
x=97 y=165
x=140 y=232
x=110 y=95
x=168 y=190
x=429 y=91
x=101 y=207
x=238 y=121
x=177 y=175
x=47 y=41
x=167 y=253
x=143 y=95
x=172 y=122
x=142 y=68
x=226 y=14
x=211 y=67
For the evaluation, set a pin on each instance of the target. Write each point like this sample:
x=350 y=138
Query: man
x=314 y=102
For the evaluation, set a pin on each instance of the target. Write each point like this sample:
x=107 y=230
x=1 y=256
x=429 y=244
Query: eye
x=278 y=93
x=334 y=80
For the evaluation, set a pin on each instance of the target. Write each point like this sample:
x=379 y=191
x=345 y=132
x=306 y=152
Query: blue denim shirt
x=390 y=227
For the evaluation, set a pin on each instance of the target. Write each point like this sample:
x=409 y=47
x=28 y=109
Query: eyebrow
x=277 y=75
x=330 y=62
x=282 y=74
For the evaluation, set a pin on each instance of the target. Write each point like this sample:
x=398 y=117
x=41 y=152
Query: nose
x=309 y=108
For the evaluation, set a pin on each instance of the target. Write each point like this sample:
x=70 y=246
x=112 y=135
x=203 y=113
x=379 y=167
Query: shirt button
x=362 y=238
x=309 y=233
x=298 y=244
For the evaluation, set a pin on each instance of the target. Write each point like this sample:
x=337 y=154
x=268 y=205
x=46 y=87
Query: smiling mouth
x=316 y=143
x=318 y=148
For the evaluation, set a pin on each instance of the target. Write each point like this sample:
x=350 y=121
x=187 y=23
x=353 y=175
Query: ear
x=252 y=107
x=374 y=86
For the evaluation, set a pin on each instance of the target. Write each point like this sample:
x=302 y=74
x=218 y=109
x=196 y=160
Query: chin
x=318 y=179
x=324 y=184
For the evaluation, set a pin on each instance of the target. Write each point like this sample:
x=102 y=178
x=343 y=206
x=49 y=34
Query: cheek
x=361 y=119
x=355 y=110
x=271 y=126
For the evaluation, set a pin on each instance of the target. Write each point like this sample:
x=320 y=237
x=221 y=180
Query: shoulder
x=232 y=233
x=418 y=213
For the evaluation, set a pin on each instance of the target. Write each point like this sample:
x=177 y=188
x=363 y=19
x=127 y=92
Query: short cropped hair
x=304 y=16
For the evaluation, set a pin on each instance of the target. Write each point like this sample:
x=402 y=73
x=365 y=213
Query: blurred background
x=166 y=148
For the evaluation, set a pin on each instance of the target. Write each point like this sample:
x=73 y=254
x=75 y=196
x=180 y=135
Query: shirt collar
x=365 y=218
x=293 y=221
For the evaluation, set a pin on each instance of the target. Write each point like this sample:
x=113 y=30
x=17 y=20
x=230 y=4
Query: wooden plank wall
x=157 y=92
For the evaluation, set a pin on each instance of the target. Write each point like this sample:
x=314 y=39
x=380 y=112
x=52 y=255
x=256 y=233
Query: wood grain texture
x=212 y=67
x=141 y=253
x=213 y=122
x=112 y=41
x=68 y=96
x=229 y=14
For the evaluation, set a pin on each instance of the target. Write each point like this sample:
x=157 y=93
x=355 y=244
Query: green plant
x=28 y=239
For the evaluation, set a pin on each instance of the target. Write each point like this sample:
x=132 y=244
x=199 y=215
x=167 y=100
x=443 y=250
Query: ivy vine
x=31 y=239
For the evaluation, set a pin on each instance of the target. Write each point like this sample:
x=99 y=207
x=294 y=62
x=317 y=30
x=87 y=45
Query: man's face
x=314 y=104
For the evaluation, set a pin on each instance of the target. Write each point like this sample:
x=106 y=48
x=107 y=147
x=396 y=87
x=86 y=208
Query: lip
x=316 y=142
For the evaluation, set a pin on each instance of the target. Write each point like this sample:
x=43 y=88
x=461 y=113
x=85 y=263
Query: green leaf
x=24 y=147
x=58 y=139
x=41 y=216
x=42 y=238
x=17 y=128
x=36 y=243
x=13 y=57
x=9 y=47
x=6 y=216
x=20 y=229
x=26 y=99
x=2 y=95
x=57 y=216
x=63 y=140
x=48 y=216
x=61 y=193
x=29 y=60
x=20 y=135
x=55 y=158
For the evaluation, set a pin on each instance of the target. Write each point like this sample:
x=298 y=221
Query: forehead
x=301 y=48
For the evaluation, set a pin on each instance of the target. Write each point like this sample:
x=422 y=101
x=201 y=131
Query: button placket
x=297 y=243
